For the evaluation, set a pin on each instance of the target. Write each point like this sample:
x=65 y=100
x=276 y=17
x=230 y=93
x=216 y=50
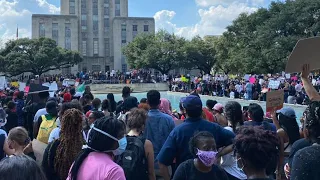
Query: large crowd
x=86 y=138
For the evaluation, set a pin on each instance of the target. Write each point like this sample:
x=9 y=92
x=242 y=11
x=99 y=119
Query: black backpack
x=133 y=160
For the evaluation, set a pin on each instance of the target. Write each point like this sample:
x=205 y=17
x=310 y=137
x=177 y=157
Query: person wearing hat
x=176 y=145
x=46 y=123
x=218 y=115
x=67 y=97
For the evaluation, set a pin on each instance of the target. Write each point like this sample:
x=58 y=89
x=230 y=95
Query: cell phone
x=245 y=108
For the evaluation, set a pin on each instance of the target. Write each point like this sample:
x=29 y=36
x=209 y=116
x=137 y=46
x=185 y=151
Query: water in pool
x=175 y=99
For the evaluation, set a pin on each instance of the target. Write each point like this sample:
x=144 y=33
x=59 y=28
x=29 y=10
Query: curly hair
x=312 y=121
x=71 y=141
x=197 y=137
x=259 y=147
x=233 y=113
x=137 y=119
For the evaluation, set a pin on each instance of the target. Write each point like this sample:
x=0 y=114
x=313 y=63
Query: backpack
x=45 y=128
x=133 y=160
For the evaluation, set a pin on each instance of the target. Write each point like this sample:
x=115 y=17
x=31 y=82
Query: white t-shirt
x=55 y=134
x=298 y=87
x=39 y=113
x=238 y=88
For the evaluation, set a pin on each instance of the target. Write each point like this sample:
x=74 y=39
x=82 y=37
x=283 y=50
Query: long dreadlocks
x=71 y=141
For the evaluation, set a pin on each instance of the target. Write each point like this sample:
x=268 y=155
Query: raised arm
x=310 y=90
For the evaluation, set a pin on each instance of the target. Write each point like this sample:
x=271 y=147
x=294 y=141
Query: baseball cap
x=287 y=111
x=129 y=103
x=218 y=107
x=192 y=102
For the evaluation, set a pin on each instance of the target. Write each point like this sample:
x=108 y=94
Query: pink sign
x=252 y=80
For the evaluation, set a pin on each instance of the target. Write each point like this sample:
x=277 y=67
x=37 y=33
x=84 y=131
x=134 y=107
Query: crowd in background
x=89 y=138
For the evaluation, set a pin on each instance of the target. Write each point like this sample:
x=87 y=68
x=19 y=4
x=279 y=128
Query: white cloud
x=52 y=8
x=213 y=20
x=207 y=3
x=18 y=13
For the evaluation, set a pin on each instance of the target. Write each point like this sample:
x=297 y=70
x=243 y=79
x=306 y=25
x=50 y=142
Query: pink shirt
x=99 y=166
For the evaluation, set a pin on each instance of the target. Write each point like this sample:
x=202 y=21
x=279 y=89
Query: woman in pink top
x=106 y=140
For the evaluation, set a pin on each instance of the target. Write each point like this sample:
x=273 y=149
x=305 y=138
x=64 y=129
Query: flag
x=81 y=88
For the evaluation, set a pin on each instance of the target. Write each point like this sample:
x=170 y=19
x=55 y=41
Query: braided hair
x=312 y=121
x=257 y=146
x=233 y=113
x=99 y=141
x=71 y=141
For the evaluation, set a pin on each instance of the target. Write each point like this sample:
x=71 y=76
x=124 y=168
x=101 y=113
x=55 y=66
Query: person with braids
x=233 y=114
x=255 y=149
x=306 y=162
x=60 y=154
x=96 y=161
x=203 y=148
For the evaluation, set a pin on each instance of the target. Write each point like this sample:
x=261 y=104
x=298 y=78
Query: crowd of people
x=86 y=138
x=240 y=88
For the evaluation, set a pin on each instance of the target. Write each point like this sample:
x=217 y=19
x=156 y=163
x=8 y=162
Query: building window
x=95 y=47
x=106 y=9
x=84 y=48
x=95 y=23
x=84 y=35
x=117 y=8
x=124 y=67
x=68 y=36
x=106 y=24
x=72 y=7
x=83 y=19
x=55 y=32
x=107 y=47
x=83 y=7
x=42 y=30
x=83 y=28
x=134 y=27
x=123 y=33
x=146 y=28
x=96 y=68
x=95 y=7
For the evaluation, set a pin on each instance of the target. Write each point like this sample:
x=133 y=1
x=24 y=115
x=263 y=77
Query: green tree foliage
x=200 y=54
x=262 y=41
x=161 y=51
x=36 y=56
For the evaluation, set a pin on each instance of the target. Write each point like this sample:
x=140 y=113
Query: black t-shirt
x=12 y=120
x=188 y=171
x=306 y=163
x=296 y=146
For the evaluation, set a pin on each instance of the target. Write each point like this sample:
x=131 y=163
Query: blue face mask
x=122 y=143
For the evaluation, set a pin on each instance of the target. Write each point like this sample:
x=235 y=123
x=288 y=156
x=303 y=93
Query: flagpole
x=17 y=34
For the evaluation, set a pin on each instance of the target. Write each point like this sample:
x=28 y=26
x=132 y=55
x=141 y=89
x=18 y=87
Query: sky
x=186 y=18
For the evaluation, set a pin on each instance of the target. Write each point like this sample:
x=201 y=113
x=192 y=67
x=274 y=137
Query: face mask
x=207 y=157
x=240 y=166
x=122 y=143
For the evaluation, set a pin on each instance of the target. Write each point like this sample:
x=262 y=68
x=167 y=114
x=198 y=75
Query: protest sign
x=273 y=84
x=3 y=82
x=52 y=87
x=306 y=51
x=275 y=100
x=22 y=86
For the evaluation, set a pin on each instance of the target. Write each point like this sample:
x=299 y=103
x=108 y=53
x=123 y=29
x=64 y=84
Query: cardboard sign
x=275 y=100
x=3 y=82
x=306 y=51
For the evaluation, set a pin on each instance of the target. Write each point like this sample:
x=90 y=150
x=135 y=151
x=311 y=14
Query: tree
x=200 y=54
x=161 y=51
x=262 y=41
x=36 y=56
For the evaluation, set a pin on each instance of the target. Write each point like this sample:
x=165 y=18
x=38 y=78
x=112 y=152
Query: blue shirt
x=158 y=128
x=177 y=144
x=266 y=125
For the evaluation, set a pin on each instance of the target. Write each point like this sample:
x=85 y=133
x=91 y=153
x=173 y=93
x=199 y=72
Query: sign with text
x=306 y=51
x=275 y=100
x=273 y=84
